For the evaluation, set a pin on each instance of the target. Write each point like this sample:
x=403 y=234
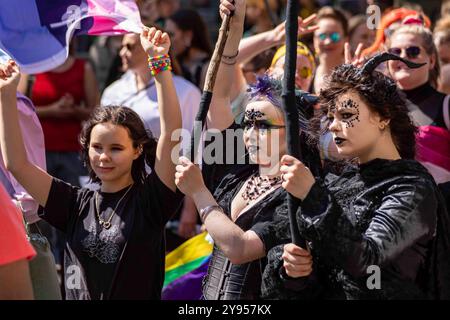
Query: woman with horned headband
x=382 y=224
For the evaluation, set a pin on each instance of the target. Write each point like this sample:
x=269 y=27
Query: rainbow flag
x=36 y=33
x=185 y=268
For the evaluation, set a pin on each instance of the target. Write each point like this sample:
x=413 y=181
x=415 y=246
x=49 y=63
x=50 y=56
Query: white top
x=123 y=92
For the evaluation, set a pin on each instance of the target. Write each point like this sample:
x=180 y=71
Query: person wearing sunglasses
x=329 y=39
x=388 y=24
x=429 y=108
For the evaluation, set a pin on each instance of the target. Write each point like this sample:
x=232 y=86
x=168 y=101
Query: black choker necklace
x=257 y=186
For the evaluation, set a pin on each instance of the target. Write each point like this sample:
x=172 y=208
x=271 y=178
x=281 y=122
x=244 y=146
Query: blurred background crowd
x=113 y=70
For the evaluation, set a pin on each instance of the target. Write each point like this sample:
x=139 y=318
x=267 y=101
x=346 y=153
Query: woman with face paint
x=382 y=224
x=252 y=54
x=243 y=199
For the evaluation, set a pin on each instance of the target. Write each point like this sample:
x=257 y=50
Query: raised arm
x=256 y=44
x=36 y=181
x=237 y=245
x=220 y=116
x=157 y=43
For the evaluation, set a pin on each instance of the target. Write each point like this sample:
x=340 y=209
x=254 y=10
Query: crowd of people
x=97 y=189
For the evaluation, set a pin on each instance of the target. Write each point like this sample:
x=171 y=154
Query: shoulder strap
x=445 y=110
x=30 y=82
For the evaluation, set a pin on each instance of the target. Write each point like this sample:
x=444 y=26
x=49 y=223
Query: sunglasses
x=260 y=125
x=334 y=37
x=411 y=52
x=130 y=47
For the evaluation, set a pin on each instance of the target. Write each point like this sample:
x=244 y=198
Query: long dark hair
x=380 y=93
x=130 y=120
x=190 y=20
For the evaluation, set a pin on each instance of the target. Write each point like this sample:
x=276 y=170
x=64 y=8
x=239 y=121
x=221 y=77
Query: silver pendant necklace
x=107 y=223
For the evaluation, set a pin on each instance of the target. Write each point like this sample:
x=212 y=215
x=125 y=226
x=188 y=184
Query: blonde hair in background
x=302 y=49
x=445 y=8
x=441 y=32
x=427 y=43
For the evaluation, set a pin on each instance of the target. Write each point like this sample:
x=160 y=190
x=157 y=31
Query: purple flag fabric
x=36 y=33
x=187 y=287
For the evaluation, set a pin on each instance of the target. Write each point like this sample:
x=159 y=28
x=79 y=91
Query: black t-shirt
x=125 y=261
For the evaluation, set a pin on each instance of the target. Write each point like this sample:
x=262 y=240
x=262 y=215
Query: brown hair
x=380 y=93
x=190 y=20
x=335 y=14
x=130 y=120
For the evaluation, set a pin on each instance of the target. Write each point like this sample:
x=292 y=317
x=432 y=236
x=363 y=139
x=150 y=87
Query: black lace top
x=225 y=280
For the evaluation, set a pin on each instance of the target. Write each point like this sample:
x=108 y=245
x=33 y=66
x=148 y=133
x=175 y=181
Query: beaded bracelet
x=159 y=63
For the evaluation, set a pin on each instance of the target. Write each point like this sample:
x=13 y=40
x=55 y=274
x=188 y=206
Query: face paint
x=349 y=118
x=253 y=119
x=252 y=115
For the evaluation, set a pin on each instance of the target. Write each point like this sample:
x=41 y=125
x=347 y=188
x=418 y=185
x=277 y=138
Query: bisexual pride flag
x=36 y=33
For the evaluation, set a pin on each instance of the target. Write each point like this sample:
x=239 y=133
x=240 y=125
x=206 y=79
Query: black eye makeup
x=260 y=125
x=349 y=111
x=253 y=115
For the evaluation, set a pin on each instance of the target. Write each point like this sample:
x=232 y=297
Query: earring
x=382 y=126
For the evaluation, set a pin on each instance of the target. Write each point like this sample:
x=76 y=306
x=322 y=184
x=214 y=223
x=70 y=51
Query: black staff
x=289 y=107
x=272 y=15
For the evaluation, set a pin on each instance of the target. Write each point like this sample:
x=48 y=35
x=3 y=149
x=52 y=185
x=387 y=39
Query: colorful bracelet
x=159 y=63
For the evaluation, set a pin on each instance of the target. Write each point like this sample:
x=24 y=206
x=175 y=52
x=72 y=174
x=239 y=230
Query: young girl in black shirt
x=115 y=236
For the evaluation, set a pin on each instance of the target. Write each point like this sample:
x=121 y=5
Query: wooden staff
x=208 y=88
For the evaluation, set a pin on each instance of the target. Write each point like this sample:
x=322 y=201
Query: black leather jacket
x=387 y=214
